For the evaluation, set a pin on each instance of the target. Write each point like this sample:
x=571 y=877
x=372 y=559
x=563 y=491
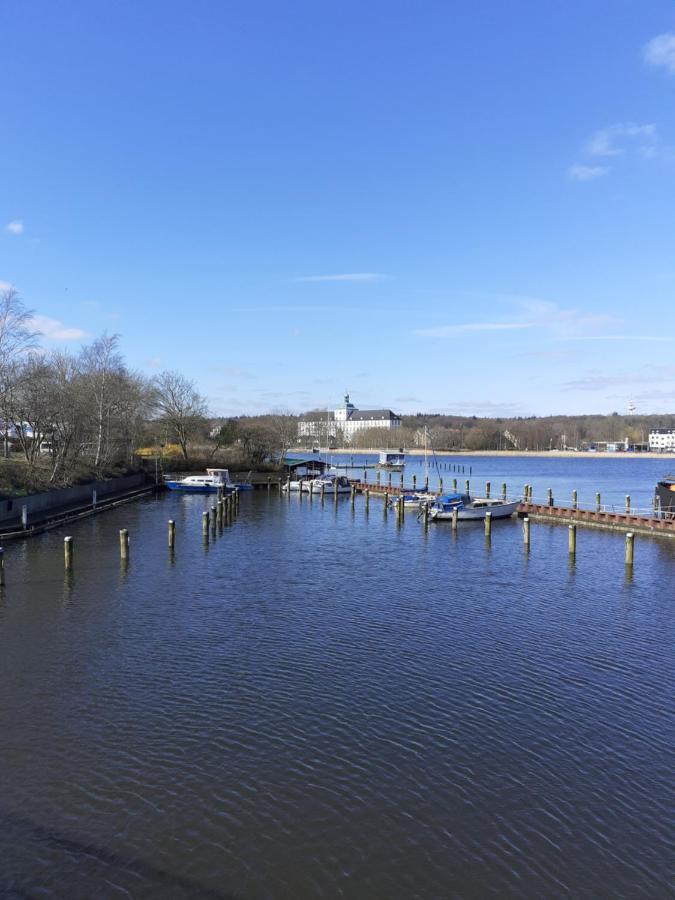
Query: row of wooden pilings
x=423 y=515
x=221 y=514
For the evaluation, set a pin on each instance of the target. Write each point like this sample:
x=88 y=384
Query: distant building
x=662 y=439
x=345 y=422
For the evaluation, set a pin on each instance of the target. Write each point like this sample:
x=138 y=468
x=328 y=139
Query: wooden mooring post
x=503 y=492
x=455 y=519
x=124 y=543
x=425 y=515
x=487 y=489
x=630 y=541
x=454 y=484
x=488 y=524
x=214 y=520
x=68 y=553
x=352 y=495
x=466 y=486
x=323 y=492
x=414 y=481
x=572 y=540
x=526 y=532
x=598 y=504
x=574 y=500
x=627 y=504
x=205 y=524
x=386 y=503
x=171 y=536
x=549 y=497
x=366 y=494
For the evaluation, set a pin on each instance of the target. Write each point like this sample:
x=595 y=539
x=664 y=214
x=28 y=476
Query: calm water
x=587 y=474
x=322 y=705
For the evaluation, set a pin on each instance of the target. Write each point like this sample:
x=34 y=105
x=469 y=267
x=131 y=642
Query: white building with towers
x=344 y=422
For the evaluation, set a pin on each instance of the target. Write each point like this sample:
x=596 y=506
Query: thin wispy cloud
x=450 y=330
x=559 y=322
x=53 y=330
x=615 y=139
x=586 y=173
x=348 y=276
x=5 y=286
x=649 y=374
x=649 y=338
x=660 y=51
x=15 y=226
x=614 y=142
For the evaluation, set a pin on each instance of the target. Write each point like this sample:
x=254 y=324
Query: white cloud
x=5 y=286
x=611 y=141
x=449 y=330
x=14 y=227
x=650 y=338
x=154 y=362
x=586 y=173
x=660 y=51
x=53 y=330
x=349 y=276
x=533 y=313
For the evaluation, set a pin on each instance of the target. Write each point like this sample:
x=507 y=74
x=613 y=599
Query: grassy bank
x=18 y=479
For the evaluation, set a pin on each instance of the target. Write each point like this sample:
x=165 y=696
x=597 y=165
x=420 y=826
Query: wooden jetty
x=561 y=515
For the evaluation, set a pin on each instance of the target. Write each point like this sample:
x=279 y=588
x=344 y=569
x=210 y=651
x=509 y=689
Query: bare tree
x=16 y=337
x=181 y=406
x=103 y=367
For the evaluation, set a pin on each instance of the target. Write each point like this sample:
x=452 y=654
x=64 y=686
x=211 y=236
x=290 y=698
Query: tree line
x=84 y=412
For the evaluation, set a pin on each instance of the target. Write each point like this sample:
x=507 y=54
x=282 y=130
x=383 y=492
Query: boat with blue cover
x=470 y=508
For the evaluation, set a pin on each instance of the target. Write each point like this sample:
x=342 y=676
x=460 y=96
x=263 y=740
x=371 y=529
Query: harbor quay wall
x=597 y=519
x=38 y=505
x=613 y=521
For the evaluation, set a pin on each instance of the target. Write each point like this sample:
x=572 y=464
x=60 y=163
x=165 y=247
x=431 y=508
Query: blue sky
x=463 y=208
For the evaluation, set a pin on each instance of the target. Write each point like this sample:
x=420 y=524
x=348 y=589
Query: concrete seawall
x=36 y=508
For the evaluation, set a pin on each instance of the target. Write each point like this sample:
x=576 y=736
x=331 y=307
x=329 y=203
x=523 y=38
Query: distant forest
x=532 y=433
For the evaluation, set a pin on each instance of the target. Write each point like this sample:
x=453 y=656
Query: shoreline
x=544 y=454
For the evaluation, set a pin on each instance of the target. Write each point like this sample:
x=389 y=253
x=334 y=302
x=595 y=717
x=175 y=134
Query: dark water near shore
x=322 y=705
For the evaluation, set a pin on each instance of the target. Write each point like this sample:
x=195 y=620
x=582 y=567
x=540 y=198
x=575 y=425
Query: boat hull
x=497 y=510
x=195 y=488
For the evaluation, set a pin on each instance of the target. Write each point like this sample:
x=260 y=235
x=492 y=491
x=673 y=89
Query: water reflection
x=324 y=705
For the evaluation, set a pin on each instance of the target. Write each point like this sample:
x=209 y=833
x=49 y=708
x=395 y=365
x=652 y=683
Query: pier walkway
x=545 y=512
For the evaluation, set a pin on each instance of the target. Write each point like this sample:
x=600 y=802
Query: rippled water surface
x=320 y=705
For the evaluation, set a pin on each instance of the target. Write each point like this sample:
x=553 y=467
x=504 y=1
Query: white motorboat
x=214 y=480
x=471 y=508
x=329 y=483
x=415 y=499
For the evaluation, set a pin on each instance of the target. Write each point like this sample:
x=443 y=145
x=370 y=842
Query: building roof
x=317 y=416
x=360 y=415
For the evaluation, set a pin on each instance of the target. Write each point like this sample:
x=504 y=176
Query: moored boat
x=329 y=483
x=468 y=508
x=394 y=461
x=210 y=483
x=664 y=498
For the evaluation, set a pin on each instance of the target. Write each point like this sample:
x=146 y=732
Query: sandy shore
x=549 y=454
